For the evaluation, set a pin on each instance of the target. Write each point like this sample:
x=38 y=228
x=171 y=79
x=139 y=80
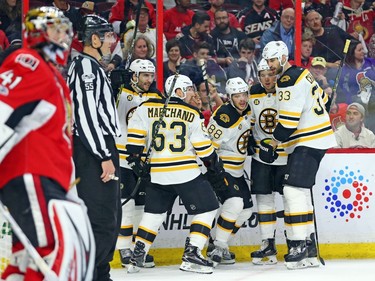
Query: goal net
x=5 y=243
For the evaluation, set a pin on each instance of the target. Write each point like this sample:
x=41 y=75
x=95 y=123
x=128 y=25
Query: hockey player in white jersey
x=266 y=178
x=229 y=128
x=305 y=131
x=174 y=171
x=131 y=96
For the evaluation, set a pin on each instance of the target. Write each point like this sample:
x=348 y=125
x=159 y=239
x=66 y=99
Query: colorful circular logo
x=347 y=194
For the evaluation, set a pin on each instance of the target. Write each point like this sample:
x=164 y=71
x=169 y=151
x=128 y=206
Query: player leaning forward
x=36 y=154
x=304 y=129
x=175 y=172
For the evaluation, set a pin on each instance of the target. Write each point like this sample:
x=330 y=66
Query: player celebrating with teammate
x=230 y=132
x=132 y=95
x=305 y=131
x=174 y=171
x=266 y=178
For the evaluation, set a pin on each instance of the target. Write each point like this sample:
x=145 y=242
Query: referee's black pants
x=102 y=201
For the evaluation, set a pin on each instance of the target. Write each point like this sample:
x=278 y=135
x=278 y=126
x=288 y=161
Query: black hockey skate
x=312 y=253
x=228 y=256
x=297 y=256
x=193 y=261
x=266 y=254
x=138 y=258
x=125 y=255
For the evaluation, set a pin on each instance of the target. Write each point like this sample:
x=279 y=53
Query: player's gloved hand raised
x=140 y=168
x=251 y=143
x=216 y=174
x=266 y=152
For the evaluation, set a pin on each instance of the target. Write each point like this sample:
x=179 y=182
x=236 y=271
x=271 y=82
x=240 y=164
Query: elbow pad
x=281 y=133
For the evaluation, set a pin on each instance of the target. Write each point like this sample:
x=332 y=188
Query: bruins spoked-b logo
x=130 y=114
x=268 y=120
x=242 y=142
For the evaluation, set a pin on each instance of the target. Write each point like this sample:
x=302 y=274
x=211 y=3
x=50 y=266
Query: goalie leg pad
x=73 y=257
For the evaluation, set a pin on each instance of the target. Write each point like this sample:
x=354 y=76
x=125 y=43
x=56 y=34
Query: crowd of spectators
x=228 y=37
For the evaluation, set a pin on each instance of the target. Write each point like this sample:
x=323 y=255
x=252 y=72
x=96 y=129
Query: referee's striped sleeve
x=91 y=106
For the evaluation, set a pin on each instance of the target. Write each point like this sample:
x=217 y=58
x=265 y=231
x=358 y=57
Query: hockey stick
x=153 y=139
x=345 y=51
x=202 y=64
x=130 y=51
x=316 y=230
x=49 y=274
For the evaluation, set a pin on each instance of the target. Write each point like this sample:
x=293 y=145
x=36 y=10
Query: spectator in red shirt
x=176 y=18
x=217 y=5
x=117 y=16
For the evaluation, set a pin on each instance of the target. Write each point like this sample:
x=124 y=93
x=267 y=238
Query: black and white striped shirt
x=94 y=108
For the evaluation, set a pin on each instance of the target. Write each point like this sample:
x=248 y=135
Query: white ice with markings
x=334 y=270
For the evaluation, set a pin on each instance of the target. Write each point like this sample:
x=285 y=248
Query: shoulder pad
x=226 y=115
x=290 y=77
x=257 y=89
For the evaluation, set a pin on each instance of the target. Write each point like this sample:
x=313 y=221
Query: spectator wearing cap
x=282 y=30
x=354 y=134
x=318 y=69
x=145 y=30
x=123 y=11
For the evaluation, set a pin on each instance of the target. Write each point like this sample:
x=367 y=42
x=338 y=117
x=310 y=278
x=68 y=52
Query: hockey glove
x=266 y=152
x=251 y=144
x=216 y=174
x=140 y=168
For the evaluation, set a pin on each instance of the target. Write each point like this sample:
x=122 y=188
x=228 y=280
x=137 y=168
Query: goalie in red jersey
x=36 y=155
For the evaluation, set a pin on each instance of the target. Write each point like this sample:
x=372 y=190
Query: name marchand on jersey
x=229 y=132
x=181 y=138
x=127 y=103
x=264 y=118
x=302 y=107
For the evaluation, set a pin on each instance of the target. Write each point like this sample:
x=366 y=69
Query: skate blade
x=297 y=265
x=191 y=267
x=313 y=262
x=149 y=265
x=133 y=269
x=223 y=261
x=269 y=260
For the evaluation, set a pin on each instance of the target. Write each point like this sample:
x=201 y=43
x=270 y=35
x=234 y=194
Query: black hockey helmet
x=93 y=24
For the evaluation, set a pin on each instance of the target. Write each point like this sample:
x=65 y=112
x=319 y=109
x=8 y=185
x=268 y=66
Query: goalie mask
x=48 y=29
x=276 y=49
x=182 y=82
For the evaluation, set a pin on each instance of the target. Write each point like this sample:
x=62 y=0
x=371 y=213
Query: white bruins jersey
x=229 y=132
x=128 y=102
x=181 y=138
x=264 y=118
x=302 y=108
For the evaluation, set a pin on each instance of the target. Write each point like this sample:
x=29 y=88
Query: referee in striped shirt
x=95 y=124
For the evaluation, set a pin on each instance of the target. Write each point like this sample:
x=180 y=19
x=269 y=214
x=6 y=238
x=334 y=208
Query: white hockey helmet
x=276 y=49
x=263 y=65
x=140 y=65
x=182 y=82
x=235 y=86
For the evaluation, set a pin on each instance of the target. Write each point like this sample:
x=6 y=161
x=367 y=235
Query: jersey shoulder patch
x=291 y=76
x=226 y=115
